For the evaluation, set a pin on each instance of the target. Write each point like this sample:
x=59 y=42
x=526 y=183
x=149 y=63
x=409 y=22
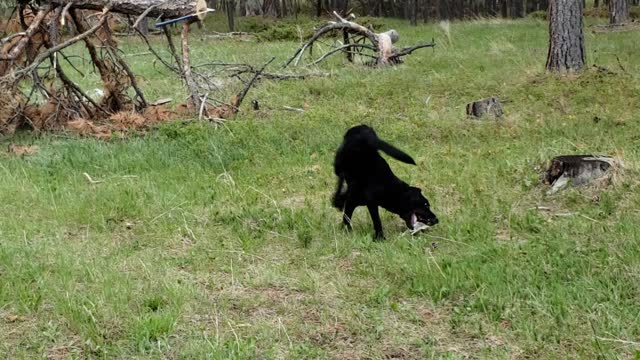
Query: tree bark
x=618 y=11
x=166 y=9
x=579 y=170
x=566 y=39
x=489 y=106
x=231 y=7
x=414 y=12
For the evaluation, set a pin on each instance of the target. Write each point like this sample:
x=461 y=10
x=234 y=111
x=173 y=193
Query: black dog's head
x=417 y=209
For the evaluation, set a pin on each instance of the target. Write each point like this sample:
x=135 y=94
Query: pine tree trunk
x=231 y=7
x=566 y=39
x=414 y=12
x=618 y=11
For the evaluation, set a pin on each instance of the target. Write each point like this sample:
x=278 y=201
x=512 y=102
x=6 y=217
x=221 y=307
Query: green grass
x=205 y=242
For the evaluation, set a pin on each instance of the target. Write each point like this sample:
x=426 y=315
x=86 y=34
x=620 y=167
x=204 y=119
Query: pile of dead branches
x=36 y=91
x=357 y=41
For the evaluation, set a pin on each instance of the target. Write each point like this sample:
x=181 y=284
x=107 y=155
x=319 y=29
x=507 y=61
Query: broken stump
x=489 y=106
x=578 y=170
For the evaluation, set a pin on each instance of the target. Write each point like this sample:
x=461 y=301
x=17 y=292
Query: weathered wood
x=577 y=170
x=160 y=8
x=194 y=97
x=566 y=38
x=489 y=106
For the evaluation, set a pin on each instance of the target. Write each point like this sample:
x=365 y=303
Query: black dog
x=371 y=182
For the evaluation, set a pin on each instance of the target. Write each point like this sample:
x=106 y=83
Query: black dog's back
x=361 y=144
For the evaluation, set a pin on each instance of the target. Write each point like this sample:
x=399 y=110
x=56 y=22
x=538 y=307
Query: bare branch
x=409 y=50
x=144 y=14
x=342 y=48
x=22 y=44
x=42 y=56
x=244 y=91
x=172 y=47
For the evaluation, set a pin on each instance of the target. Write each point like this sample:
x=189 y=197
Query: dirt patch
x=15 y=329
x=72 y=349
x=22 y=150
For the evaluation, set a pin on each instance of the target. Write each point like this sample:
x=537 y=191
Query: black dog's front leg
x=348 y=213
x=377 y=224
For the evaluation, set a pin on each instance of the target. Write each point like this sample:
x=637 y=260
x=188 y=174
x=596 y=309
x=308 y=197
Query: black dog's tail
x=393 y=151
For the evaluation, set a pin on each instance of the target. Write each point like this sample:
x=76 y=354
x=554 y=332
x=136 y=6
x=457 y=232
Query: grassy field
x=205 y=242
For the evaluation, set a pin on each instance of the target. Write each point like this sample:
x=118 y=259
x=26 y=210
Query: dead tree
x=36 y=91
x=566 y=37
x=380 y=48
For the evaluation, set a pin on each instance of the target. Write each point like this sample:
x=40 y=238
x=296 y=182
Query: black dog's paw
x=346 y=223
x=379 y=236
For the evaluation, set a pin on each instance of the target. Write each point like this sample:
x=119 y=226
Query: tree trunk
x=596 y=3
x=231 y=7
x=517 y=9
x=342 y=7
x=414 y=12
x=618 y=11
x=544 y=5
x=166 y=9
x=566 y=39
x=504 y=9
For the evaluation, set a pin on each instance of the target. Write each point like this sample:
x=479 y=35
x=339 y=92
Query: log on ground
x=489 y=106
x=579 y=170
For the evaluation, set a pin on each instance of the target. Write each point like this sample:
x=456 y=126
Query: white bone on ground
x=418 y=226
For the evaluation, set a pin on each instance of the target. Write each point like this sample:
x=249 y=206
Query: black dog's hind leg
x=339 y=196
x=348 y=213
x=377 y=223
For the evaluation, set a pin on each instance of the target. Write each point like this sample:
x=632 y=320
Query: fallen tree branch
x=28 y=34
x=144 y=15
x=245 y=90
x=410 y=49
x=125 y=67
x=381 y=44
x=42 y=56
x=172 y=48
x=155 y=53
x=332 y=26
x=342 y=48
